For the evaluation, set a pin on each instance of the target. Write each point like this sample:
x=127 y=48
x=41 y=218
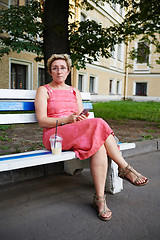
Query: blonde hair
x=54 y=57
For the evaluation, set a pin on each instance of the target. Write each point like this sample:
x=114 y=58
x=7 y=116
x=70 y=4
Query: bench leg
x=75 y=166
x=114 y=184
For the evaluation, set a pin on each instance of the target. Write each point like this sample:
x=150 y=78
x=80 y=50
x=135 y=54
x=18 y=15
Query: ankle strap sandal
x=96 y=201
x=122 y=172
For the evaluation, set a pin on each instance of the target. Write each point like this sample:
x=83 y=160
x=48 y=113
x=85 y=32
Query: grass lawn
x=128 y=110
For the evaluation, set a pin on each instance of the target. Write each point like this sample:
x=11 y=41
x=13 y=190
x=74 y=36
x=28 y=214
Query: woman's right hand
x=72 y=118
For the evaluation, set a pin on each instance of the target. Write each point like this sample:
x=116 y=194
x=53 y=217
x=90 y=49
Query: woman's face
x=59 y=71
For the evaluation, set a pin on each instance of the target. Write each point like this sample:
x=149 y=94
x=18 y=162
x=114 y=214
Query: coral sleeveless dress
x=83 y=137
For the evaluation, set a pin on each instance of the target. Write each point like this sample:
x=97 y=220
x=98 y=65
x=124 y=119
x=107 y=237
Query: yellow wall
x=143 y=73
x=152 y=81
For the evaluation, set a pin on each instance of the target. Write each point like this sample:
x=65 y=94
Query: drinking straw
x=55 y=134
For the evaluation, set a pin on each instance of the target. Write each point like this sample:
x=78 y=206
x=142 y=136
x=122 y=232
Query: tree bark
x=56 y=31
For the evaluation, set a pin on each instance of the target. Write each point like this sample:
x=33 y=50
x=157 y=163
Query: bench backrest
x=17 y=106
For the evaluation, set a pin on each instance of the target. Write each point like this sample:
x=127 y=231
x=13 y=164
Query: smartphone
x=85 y=112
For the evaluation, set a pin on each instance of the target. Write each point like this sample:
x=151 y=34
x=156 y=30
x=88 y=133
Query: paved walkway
x=59 y=208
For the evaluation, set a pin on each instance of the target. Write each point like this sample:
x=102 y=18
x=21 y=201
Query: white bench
x=23 y=101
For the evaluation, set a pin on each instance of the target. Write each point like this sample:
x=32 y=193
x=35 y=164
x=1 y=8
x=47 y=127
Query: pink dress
x=83 y=137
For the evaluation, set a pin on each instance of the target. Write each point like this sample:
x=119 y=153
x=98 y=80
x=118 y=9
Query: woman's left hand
x=82 y=117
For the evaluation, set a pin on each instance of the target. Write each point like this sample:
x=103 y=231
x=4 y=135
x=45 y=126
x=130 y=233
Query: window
x=111 y=87
x=92 y=85
x=143 y=53
x=82 y=17
x=113 y=51
x=113 y=5
x=18 y=76
x=141 y=89
x=21 y=75
x=80 y=82
x=120 y=10
x=41 y=76
x=120 y=52
x=118 y=87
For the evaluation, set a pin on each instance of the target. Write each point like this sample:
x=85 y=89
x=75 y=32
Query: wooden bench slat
x=23 y=118
x=23 y=155
x=29 y=94
x=34 y=160
x=126 y=146
x=17 y=94
x=17 y=106
x=17 y=118
x=28 y=106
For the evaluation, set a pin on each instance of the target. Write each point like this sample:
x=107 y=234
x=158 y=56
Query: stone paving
x=59 y=207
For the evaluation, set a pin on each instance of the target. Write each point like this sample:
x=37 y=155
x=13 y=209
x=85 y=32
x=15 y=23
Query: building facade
x=144 y=81
x=105 y=79
x=20 y=70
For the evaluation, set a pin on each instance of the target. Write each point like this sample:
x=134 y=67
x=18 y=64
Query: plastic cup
x=56 y=144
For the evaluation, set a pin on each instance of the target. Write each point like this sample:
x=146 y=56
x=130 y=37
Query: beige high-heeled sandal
x=100 y=199
x=122 y=172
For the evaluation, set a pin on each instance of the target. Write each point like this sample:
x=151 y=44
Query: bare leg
x=98 y=166
x=115 y=155
x=113 y=152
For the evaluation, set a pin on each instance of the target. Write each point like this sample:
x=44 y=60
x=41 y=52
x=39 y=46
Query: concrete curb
x=143 y=147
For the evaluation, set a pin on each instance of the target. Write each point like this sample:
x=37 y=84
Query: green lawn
x=127 y=110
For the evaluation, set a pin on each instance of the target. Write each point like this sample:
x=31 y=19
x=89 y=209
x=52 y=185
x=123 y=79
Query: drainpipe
x=74 y=70
x=126 y=74
x=73 y=77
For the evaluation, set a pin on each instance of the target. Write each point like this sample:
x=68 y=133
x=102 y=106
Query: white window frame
x=113 y=52
x=83 y=12
x=113 y=87
x=39 y=66
x=146 y=68
x=114 y=6
x=119 y=92
x=29 y=73
x=121 y=10
x=95 y=90
x=137 y=49
x=84 y=81
x=134 y=87
x=119 y=52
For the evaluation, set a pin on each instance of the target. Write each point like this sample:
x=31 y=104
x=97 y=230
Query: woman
x=86 y=137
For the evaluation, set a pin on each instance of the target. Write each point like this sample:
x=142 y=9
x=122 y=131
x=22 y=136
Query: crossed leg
x=115 y=155
x=99 y=165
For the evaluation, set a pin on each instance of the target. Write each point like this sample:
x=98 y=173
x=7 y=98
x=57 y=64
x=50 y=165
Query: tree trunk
x=56 y=31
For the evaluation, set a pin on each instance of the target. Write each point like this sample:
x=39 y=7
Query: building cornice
x=144 y=74
x=106 y=14
x=103 y=68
